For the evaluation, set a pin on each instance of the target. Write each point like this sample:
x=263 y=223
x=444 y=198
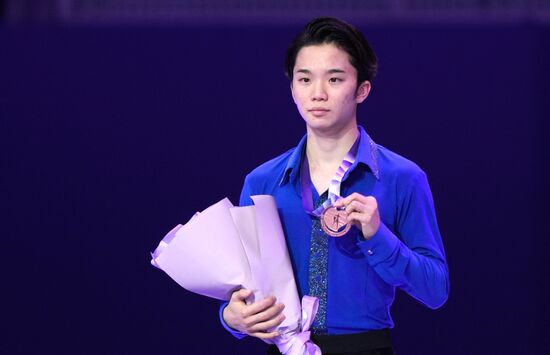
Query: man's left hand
x=362 y=211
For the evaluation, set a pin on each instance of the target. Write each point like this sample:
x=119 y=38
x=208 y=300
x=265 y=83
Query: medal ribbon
x=334 y=187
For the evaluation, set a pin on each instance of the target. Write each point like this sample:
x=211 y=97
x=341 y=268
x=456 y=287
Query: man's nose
x=319 y=92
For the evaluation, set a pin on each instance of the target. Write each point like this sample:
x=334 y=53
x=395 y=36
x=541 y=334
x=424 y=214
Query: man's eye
x=304 y=80
x=335 y=80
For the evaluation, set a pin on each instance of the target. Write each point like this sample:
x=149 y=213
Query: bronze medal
x=334 y=221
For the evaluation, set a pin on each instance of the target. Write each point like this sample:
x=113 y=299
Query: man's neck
x=328 y=151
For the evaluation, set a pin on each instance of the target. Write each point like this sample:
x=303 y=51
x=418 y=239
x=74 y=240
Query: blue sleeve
x=412 y=258
x=233 y=332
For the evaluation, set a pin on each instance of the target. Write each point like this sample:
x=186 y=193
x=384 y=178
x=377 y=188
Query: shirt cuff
x=233 y=332
x=380 y=246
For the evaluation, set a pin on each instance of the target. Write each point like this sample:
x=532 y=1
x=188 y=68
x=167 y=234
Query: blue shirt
x=406 y=252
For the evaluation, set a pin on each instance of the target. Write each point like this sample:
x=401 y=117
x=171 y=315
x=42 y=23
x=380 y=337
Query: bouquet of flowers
x=225 y=248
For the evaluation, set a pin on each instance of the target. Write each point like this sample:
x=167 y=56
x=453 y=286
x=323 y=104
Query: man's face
x=324 y=88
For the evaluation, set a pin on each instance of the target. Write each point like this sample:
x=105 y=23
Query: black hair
x=329 y=30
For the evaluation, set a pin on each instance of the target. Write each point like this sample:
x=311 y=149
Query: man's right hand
x=256 y=319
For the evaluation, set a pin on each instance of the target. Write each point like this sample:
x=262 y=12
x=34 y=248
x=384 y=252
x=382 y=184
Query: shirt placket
x=318 y=269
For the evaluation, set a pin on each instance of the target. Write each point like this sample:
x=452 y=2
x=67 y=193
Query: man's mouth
x=318 y=111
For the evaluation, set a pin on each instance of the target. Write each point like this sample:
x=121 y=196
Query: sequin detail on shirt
x=318 y=269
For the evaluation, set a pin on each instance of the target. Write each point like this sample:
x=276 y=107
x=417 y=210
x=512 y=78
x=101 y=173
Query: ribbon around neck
x=335 y=182
x=300 y=343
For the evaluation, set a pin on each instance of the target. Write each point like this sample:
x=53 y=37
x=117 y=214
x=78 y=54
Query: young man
x=337 y=177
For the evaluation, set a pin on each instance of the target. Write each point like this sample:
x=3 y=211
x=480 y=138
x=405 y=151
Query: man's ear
x=292 y=92
x=362 y=91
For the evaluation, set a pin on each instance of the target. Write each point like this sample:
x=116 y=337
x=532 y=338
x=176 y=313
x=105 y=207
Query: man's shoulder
x=272 y=169
x=394 y=164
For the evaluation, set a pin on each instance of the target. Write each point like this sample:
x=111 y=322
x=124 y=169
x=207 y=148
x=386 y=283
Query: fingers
x=257 y=319
x=241 y=295
x=355 y=206
x=245 y=293
x=267 y=320
x=259 y=306
x=367 y=207
x=262 y=325
x=358 y=203
x=265 y=336
x=359 y=219
x=362 y=211
x=355 y=197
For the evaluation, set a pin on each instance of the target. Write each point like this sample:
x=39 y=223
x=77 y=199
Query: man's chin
x=326 y=126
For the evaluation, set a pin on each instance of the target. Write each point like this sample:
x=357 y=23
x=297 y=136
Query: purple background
x=110 y=136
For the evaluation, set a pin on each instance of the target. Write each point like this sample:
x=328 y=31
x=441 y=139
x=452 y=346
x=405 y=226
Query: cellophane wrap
x=225 y=248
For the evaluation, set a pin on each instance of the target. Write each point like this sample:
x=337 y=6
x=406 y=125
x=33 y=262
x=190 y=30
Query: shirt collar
x=367 y=153
x=292 y=168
